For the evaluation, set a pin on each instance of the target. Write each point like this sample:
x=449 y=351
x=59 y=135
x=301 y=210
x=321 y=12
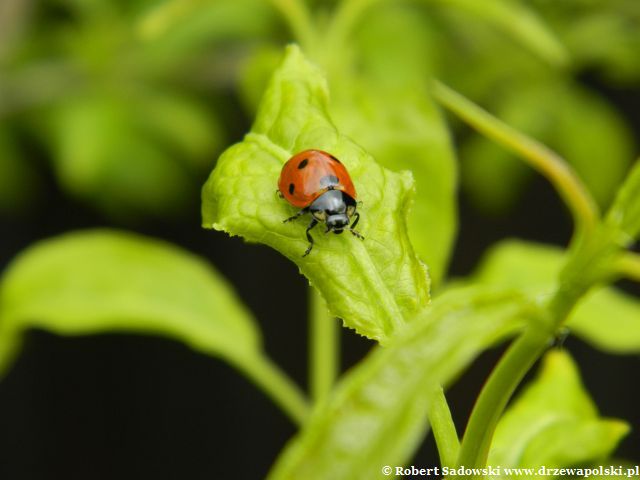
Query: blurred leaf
x=517 y=20
x=102 y=154
x=624 y=214
x=255 y=74
x=165 y=15
x=99 y=281
x=491 y=176
x=520 y=264
x=610 y=320
x=184 y=124
x=395 y=120
x=614 y=24
x=606 y=317
x=554 y=422
x=188 y=22
x=410 y=57
x=592 y=136
x=202 y=42
x=374 y=285
x=377 y=415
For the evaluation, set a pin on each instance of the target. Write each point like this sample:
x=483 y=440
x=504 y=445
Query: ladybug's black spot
x=335 y=159
x=328 y=181
x=303 y=164
x=292 y=188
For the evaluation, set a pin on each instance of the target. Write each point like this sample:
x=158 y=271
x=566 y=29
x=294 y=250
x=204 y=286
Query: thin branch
x=324 y=347
x=548 y=163
x=444 y=430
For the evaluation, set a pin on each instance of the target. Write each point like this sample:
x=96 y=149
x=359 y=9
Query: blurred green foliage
x=131 y=101
x=129 y=113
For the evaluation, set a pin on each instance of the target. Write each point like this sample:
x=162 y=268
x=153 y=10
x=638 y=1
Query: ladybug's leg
x=300 y=213
x=355 y=222
x=279 y=193
x=313 y=223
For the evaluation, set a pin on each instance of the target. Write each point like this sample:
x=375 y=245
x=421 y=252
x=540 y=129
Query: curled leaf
x=374 y=285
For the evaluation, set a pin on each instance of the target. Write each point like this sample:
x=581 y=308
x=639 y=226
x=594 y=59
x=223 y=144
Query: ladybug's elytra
x=319 y=184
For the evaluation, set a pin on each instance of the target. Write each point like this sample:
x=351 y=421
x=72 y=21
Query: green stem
x=511 y=368
x=444 y=430
x=277 y=385
x=541 y=158
x=324 y=347
x=628 y=265
x=298 y=17
x=504 y=379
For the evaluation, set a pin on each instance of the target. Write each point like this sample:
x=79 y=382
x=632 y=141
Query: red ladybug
x=319 y=184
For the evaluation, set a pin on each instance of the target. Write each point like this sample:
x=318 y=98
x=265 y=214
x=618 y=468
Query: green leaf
x=393 y=117
x=609 y=320
x=182 y=25
x=102 y=154
x=606 y=317
x=255 y=73
x=492 y=176
x=520 y=264
x=518 y=20
x=107 y=281
x=377 y=415
x=410 y=57
x=97 y=281
x=374 y=285
x=554 y=422
x=624 y=214
x=594 y=138
x=184 y=124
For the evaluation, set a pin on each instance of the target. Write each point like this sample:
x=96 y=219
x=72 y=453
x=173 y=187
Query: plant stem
x=324 y=347
x=298 y=17
x=277 y=385
x=504 y=379
x=444 y=430
x=512 y=367
x=628 y=265
x=541 y=158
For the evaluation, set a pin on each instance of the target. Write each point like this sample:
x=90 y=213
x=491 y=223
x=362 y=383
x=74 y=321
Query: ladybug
x=319 y=184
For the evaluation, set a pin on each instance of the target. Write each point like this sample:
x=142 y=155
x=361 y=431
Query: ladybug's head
x=337 y=223
x=335 y=208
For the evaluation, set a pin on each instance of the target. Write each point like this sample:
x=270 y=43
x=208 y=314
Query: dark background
x=133 y=407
